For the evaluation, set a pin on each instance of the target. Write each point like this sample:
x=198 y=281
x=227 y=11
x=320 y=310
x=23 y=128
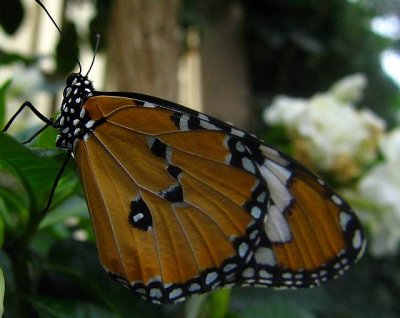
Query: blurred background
x=317 y=79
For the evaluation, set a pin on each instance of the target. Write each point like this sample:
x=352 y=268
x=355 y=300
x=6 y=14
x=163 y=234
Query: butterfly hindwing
x=192 y=204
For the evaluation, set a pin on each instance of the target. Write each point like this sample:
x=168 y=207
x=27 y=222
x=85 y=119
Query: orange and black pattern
x=183 y=203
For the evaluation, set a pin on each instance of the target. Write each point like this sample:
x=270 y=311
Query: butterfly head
x=77 y=85
x=72 y=122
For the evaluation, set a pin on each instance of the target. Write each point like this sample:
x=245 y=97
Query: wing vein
x=108 y=215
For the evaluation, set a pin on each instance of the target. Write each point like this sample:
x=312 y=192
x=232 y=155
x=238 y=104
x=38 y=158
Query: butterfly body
x=183 y=203
x=72 y=123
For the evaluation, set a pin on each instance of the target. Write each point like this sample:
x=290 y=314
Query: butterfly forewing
x=183 y=203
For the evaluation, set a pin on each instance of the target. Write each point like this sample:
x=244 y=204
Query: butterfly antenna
x=95 y=51
x=62 y=35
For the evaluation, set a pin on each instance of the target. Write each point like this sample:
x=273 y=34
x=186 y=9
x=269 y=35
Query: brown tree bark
x=226 y=89
x=144 y=47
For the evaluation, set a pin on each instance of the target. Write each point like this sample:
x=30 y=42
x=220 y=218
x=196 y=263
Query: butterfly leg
x=28 y=104
x=36 y=133
x=55 y=183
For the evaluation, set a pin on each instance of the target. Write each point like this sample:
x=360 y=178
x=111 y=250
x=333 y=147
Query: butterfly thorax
x=73 y=123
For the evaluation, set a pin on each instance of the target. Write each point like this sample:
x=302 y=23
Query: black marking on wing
x=140 y=216
x=172 y=194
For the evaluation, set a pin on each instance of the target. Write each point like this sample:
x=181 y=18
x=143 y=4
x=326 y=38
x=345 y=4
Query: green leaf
x=36 y=172
x=62 y=308
x=2 y=290
x=7 y=57
x=2 y=229
x=278 y=309
x=46 y=139
x=72 y=208
x=11 y=15
x=26 y=179
x=13 y=200
x=3 y=93
x=73 y=271
x=219 y=301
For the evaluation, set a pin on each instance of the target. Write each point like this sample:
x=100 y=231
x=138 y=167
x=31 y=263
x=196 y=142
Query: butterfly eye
x=72 y=79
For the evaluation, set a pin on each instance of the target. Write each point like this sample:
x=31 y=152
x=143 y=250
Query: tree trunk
x=226 y=88
x=144 y=46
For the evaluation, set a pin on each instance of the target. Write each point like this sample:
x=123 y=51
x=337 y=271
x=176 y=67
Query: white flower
x=285 y=111
x=350 y=88
x=390 y=147
x=328 y=133
x=379 y=190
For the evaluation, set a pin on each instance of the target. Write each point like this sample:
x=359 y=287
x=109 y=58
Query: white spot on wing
x=203 y=116
x=265 y=256
x=248 y=165
x=248 y=272
x=211 y=277
x=208 y=125
x=336 y=199
x=168 y=154
x=228 y=267
x=240 y=147
x=269 y=151
x=194 y=287
x=256 y=212
x=150 y=140
x=155 y=293
x=344 y=220
x=273 y=155
x=357 y=239
x=149 y=105
x=138 y=217
x=278 y=191
x=253 y=234
x=243 y=248
x=264 y=274
x=276 y=227
x=184 y=122
x=261 y=198
x=237 y=132
x=175 y=293
x=281 y=172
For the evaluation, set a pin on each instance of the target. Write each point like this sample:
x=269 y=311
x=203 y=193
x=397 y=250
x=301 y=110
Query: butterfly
x=183 y=203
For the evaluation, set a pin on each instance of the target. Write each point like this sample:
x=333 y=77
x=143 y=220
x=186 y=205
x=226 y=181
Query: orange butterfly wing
x=182 y=203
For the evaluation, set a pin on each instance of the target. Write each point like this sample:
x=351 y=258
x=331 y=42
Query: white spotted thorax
x=72 y=123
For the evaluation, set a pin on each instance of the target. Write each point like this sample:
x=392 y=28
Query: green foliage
x=65 y=59
x=2 y=288
x=3 y=91
x=11 y=15
x=100 y=22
